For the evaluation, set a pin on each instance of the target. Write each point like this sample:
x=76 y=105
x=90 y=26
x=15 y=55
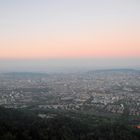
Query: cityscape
x=100 y=91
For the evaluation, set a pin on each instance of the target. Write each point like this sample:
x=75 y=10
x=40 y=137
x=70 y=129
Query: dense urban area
x=101 y=91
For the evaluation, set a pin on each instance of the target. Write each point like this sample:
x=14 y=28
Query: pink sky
x=69 y=29
x=105 y=44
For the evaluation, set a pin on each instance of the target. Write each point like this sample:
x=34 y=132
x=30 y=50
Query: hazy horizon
x=67 y=65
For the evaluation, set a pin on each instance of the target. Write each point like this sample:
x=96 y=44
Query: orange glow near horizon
x=102 y=45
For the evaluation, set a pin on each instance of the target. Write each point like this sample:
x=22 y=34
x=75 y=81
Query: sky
x=52 y=34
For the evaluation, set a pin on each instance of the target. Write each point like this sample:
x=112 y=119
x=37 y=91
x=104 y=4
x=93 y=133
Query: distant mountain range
x=114 y=70
x=91 y=71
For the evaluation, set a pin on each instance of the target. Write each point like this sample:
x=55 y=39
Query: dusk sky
x=38 y=34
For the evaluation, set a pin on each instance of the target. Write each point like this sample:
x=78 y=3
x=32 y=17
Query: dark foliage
x=22 y=125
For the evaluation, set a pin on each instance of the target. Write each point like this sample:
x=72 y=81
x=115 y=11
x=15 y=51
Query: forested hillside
x=26 y=125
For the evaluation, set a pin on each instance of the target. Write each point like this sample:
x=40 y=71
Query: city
x=100 y=91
